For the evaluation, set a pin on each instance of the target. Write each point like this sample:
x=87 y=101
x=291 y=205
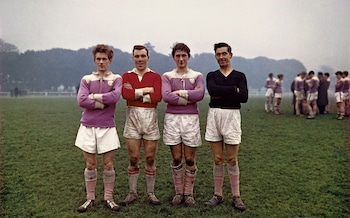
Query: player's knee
x=108 y=165
x=134 y=161
x=232 y=161
x=190 y=162
x=177 y=162
x=90 y=165
x=150 y=160
x=218 y=160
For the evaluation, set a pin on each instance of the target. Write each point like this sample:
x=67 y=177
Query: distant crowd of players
x=310 y=94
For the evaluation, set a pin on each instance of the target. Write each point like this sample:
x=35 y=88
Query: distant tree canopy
x=47 y=70
x=7 y=47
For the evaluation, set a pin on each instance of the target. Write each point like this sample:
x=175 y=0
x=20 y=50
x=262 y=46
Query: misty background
x=61 y=69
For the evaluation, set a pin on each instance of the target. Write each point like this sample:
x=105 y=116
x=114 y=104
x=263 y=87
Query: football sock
x=190 y=177
x=218 y=173
x=233 y=172
x=108 y=181
x=133 y=177
x=150 y=178
x=90 y=183
x=178 y=175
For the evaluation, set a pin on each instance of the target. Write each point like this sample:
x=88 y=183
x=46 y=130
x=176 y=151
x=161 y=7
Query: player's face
x=181 y=59
x=140 y=59
x=102 y=62
x=223 y=57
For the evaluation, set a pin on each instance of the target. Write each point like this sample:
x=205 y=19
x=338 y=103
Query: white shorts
x=182 y=128
x=345 y=96
x=312 y=96
x=299 y=95
x=269 y=92
x=338 y=97
x=224 y=125
x=96 y=139
x=278 y=95
x=141 y=123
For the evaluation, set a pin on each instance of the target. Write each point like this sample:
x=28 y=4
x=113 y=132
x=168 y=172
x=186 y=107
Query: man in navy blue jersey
x=227 y=89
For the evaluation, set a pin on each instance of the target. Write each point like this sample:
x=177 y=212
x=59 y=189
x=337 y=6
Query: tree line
x=49 y=69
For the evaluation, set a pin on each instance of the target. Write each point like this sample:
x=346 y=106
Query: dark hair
x=102 y=48
x=326 y=74
x=280 y=75
x=338 y=73
x=320 y=73
x=223 y=44
x=181 y=47
x=270 y=74
x=346 y=73
x=311 y=72
x=139 y=47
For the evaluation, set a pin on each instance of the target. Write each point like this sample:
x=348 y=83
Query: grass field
x=290 y=167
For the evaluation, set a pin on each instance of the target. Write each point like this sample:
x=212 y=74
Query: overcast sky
x=316 y=32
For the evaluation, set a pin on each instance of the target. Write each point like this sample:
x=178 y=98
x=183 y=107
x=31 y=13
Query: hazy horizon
x=311 y=31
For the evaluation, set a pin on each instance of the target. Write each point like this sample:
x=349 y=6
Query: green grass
x=290 y=167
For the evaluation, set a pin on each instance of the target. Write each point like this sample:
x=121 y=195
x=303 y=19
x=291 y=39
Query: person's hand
x=176 y=92
x=148 y=90
x=91 y=96
x=127 y=85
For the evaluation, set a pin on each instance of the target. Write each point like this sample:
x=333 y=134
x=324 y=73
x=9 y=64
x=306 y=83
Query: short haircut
x=223 y=44
x=102 y=48
x=311 y=72
x=338 y=73
x=270 y=74
x=139 y=47
x=280 y=76
x=326 y=74
x=346 y=73
x=181 y=47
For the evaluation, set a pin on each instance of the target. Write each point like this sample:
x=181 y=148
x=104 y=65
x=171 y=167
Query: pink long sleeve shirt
x=110 y=87
x=191 y=87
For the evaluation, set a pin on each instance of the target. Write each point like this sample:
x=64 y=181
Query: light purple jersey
x=299 y=84
x=278 y=86
x=313 y=84
x=270 y=83
x=191 y=87
x=346 y=84
x=110 y=87
x=339 y=85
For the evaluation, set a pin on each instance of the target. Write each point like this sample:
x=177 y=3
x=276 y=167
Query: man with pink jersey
x=313 y=83
x=269 y=84
x=346 y=87
x=299 y=93
x=227 y=89
x=338 y=94
x=328 y=84
x=182 y=88
x=277 y=89
x=98 y=94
